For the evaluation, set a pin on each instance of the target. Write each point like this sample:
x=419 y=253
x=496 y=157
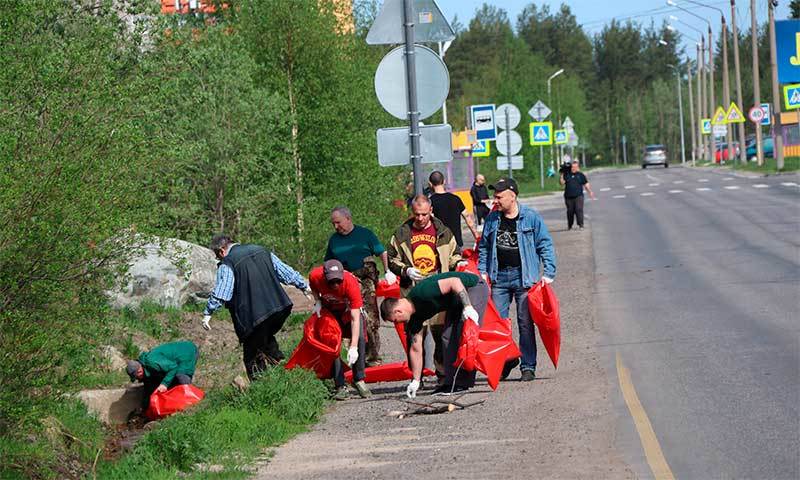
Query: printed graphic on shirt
x=507 y=240
x=423 y=247
x=425 y=259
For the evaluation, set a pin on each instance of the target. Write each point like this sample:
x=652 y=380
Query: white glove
x=352 y=355
x=317 y=308
x=462 y=263
x=411 y=390
x=471 y=314
x=206 y=322
x=415 y=274
x=547 y=280
x=308 y=293
x=390 y=277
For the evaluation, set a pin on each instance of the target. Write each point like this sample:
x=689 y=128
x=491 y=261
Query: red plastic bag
x=468 y=348
x=543 y=307
x=173 y=400
x=391 y=372
x=384 y=290
x=320 y=346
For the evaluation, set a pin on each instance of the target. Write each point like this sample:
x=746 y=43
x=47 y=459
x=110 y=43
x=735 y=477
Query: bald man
x=480 y=198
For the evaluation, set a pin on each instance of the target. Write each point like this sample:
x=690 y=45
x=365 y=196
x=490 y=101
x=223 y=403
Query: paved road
x=697 y=287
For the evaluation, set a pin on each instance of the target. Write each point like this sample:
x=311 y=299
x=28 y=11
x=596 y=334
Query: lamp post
x=701 y=92
x=680 y=109
x=550 y=101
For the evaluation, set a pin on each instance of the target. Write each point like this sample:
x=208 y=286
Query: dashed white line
x=789 y=184
x=728 y=179
x=648 y=194
x=760 y=185
x=732 y=187
x=605 y=189
x=703 y=189
x=676 y=191
x=678 y=182
x=628 y=187
x=653 y=184
x=703 y=180
x=619 y=196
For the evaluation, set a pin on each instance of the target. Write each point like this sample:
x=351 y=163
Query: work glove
x=207 y=322
x=390 y=277
x=308 y=293
x=411 y=390
x=317 y=308
x=161 y=388
x=462 y=265
x=470 y=313
x=547 y=280
x=415 y=274
x=352 y=355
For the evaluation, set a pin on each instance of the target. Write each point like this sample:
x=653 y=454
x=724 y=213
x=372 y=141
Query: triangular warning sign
x=734 y=115
x=430 y=24
x=541 y=134
x=719 y=117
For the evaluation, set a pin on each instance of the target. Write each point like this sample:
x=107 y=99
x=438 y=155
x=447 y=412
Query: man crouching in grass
x=164 y=367
x=463 y=296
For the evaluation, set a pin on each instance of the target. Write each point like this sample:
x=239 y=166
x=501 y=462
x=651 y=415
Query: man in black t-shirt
x=480 y=194
x=449 y=208
x=574 y=182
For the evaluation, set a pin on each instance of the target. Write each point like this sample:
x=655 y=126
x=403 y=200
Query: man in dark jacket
x=164 y=367
x=480 y=197
x=249 y=281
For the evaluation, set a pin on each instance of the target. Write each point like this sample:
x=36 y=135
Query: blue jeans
x=507 y=287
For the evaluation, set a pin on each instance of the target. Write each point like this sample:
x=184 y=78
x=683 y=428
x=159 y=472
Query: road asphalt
x=698 y=292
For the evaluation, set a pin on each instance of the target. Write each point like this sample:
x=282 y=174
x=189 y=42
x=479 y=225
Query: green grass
x=790 y=164
x=152 y=319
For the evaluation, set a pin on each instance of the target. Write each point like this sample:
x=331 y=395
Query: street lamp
x=698 y=145
x=550 y=101
x=680 y=112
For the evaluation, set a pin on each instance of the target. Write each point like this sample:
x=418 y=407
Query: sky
x=594 y=14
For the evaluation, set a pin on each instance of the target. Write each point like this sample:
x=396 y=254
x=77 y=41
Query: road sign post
x=510 y=143
x=539 y=111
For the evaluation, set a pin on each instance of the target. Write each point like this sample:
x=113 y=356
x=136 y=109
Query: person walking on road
x=338 y=291
x=462 y=297
x=249 y=279
x=424 y=246
x=449 y=208
x=575 y=182
x=514 y=244
x=164 y=367
x=480 y=198
x=356 y=246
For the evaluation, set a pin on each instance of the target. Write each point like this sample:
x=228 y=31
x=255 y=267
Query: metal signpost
x=541 y=133
x=510 y=143
x=396 y=24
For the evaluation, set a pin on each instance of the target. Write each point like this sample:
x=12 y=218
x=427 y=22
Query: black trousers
x=451 y=336
x=260 y=348
x=358 y=368
x=574 y=208
x=481 y=211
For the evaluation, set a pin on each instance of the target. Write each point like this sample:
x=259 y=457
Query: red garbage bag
x=173 y=400
x=543 y=306
x=391 y=372
x=497 y=345
x=320 y=346
x=468 y=348
x=385 y=290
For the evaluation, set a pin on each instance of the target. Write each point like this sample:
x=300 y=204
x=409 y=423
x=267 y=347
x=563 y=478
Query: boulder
x=112 y=406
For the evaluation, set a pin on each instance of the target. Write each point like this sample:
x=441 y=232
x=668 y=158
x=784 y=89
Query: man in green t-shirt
x=463 y=297
x=355 y=246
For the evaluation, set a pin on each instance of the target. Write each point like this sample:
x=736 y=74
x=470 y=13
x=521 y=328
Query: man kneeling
x=463 y=296
x=164 y=367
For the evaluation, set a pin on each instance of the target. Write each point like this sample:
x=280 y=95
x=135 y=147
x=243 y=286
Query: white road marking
x=605 y=189
x=651 y=177
x=789 y=184
x=703 y=180
x=619 y=196
x=728 y=179
x=676 y=191
x=760 y=185
x=648 y=194
x=703 y=189
x=678 y=182
x=732 y=187
x=628 y=187
x=653 y=184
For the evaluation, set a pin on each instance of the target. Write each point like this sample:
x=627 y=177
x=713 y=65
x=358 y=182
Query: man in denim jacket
x=515 y=241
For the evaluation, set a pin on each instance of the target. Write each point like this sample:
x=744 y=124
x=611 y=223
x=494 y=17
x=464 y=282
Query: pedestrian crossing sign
x=541 y=133
x=720 y=117
x=561 y=137
x=706 y=126
x=734 y=115
x=482 y=148
x=791 y=94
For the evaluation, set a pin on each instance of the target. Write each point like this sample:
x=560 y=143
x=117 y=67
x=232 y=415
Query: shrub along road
x=560 y=426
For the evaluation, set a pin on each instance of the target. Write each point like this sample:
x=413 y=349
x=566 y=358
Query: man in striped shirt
x=249 y=279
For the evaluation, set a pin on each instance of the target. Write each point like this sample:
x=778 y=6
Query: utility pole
x=776 y=94
x=711 y=100
x=413 y=109
x=701 y=94
x=726 y=90
x=756 y=79
x=691 y=114
x=680 y=112
x=742 y=149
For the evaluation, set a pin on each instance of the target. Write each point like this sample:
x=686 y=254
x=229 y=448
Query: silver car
x=655 y=155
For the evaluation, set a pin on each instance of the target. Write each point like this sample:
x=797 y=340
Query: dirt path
x=560 y=426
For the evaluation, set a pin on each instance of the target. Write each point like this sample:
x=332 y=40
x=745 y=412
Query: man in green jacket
x=164 y=367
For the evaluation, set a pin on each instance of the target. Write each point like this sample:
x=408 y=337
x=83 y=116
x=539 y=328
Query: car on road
x=655 y=154
x=723 y=152
x=767 y=145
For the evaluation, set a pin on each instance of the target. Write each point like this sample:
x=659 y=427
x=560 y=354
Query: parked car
x=723 y=152
x=655 y=155
x=767 y=145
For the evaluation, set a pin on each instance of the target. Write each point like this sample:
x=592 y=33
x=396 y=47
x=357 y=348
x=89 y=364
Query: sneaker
x=511 y=365
x=341 y=393
x=447 y=390
x=373 y=362
x=528 y=376
x=362 y=389
x=580 y=227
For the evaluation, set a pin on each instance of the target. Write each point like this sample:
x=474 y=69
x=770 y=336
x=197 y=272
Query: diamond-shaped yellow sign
x=720 y=117
x=734 y=115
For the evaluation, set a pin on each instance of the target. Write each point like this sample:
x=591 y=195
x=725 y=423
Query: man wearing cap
x=575 y=182
x=338 y=291
x=514 y=244
x=356 y=246
x=164 y=367
x=249 y=279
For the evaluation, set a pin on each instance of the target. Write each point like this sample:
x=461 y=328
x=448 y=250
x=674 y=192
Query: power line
x=651 y=12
